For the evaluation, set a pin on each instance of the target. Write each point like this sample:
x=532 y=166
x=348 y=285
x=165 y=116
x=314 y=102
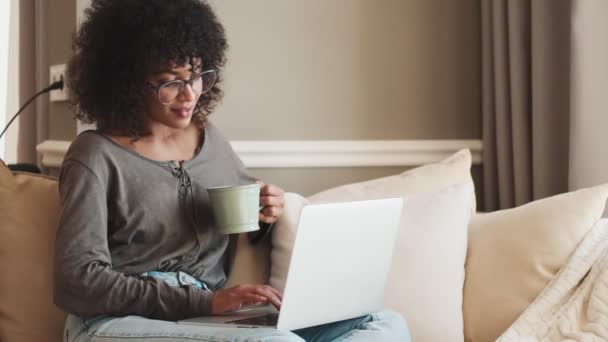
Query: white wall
x=21 y=73
x=350 y=69
x=589 y=101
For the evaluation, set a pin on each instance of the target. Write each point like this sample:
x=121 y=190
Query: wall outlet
x=56 y=73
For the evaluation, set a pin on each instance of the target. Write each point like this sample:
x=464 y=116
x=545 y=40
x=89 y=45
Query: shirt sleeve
x=85 y=283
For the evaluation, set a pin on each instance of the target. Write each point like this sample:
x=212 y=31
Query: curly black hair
x=119 y=43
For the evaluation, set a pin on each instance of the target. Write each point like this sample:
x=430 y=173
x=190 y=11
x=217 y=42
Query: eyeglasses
x=168 y=92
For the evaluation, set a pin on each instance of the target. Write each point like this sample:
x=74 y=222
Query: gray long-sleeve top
x=123 y=214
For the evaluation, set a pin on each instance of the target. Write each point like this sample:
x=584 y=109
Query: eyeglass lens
x=201 y=84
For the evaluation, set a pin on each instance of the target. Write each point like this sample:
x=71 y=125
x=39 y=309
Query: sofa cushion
x=29 y=211
x=514 y=253
x=283 y=238
x=426 y=279
x=251 y=263
x=427 y=276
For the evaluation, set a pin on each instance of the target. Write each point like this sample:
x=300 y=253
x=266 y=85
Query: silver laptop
x=338 y=269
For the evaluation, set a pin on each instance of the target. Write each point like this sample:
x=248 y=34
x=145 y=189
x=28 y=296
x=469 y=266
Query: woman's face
x=174 y=111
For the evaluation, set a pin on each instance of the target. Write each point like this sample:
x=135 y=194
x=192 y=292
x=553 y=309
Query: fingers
x=261 y=291
x=271 y=190
x=272 y=201
x=270 y=214
x=233 y=299
x=245 y=299
x=252 y=303
x=272 y=198
x=276 y=292
x=273 y=296
x=251 y=296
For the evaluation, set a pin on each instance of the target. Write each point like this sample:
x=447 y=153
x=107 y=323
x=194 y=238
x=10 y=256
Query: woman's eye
x=172 y=84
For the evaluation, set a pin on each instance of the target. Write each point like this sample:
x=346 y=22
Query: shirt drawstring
x=185 y=184
x=185 y=190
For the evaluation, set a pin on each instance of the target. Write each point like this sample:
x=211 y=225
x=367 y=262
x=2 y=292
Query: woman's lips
x=183 y=112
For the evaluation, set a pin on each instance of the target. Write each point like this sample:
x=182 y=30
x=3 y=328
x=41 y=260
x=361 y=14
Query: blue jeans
x=381 y=326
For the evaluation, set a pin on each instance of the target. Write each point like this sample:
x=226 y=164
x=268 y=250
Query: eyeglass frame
x=183 y=83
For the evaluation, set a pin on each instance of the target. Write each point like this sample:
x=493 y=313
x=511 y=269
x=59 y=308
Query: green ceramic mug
x=236 y=208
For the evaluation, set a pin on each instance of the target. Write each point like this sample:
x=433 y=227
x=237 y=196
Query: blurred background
x=521 y=83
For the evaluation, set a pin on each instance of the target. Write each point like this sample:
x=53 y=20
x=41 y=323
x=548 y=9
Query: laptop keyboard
x=264 y=320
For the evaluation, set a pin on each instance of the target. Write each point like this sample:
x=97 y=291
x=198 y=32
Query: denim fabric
x=177 y=279
x=385 y=325
x=382 y=326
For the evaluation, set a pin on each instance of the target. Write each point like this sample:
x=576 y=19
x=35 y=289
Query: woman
x=136 y=245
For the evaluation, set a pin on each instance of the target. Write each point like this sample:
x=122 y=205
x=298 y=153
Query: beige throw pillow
x=29 y=213
x=514 y=253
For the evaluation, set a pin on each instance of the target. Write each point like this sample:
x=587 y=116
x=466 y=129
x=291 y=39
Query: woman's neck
x=163 y=145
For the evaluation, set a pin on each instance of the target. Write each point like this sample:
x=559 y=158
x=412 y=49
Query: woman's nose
x=188 y=93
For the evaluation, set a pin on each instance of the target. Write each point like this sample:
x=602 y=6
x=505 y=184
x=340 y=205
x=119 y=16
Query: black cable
x=53 y=86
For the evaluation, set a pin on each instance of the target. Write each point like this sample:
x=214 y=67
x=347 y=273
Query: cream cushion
x=251 y=263
x=29 y=212
x=426 y=280
x=283 y=238
x=514 y=253
x=427 y=274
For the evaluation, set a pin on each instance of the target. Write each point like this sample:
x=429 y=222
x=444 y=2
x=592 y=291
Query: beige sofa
x=460 y=290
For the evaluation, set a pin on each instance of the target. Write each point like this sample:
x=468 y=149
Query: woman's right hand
x=236 y=297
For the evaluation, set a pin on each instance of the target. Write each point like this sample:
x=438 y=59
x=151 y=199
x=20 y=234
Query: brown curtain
x=525 y=99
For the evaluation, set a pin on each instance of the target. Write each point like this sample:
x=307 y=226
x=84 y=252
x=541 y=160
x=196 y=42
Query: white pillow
x=427 y=275
x=424 y=179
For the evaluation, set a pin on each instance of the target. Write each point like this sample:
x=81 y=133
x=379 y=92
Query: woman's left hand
x=273 y=199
